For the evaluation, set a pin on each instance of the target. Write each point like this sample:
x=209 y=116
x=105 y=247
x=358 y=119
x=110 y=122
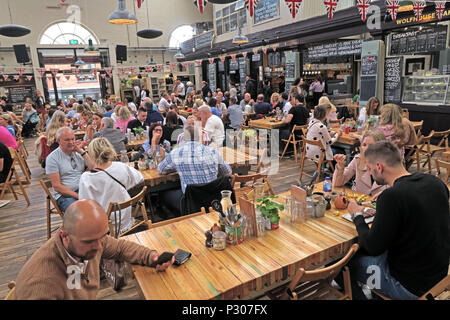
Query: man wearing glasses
x=64 y=167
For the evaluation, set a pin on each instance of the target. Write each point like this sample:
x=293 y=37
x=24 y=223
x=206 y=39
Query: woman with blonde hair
x=115 y=114
x=59 y=120
x=124 y=116
x=324 y=101
x=274 y=99
x=357 y=167
x=118 y=176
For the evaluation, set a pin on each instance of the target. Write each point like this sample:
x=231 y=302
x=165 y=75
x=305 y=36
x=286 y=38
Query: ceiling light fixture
x=240 y=38
x=122 y=15
x=149 y=33
x=13 y=30
x=78 y=62
x=179 y=55
x=90 y=48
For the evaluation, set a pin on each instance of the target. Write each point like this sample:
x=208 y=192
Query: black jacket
x=136 y=124
x=201 y=195
x=205 y=91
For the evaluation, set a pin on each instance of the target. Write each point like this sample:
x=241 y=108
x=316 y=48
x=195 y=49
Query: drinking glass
x=259 y=190
x=288 y=209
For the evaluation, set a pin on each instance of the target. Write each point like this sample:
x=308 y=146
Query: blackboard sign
x=204 y=40
x=393 y=80
x=242 y=71
x=234 y=65
x=212 y=76
x=274 y=59
x=266 y=10
x=221 y=66
x=256 y=57
x=187 y=46
x=369 y=66
x=426 y=40
x=368 y=87
x=334 y=49
x=19 y=94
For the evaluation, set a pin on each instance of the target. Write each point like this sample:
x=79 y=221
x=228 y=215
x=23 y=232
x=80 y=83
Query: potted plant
x=138 y=133
x=269 y=209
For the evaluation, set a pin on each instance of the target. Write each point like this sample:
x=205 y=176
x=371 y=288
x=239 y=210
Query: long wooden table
x=238 y=270
x=234 y=158
x=135 y=145
x=266 y=123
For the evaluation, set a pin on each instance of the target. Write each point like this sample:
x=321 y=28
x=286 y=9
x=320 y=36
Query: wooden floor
x=23 y=229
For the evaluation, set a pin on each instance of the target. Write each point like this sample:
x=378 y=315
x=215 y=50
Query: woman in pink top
x=393 y=126
x=124 y=116
x=7 y=139
x=358 y=169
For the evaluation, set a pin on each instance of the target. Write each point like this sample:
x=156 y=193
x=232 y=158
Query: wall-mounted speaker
x=121 y=53
x=21 y=53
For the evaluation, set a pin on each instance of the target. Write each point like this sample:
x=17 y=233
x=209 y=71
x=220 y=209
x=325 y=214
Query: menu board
x=204 y=40
x=266 y=10
x=242 y=71
x=334 y=49
x=256 y=57
x=426 y=40
x=290 y=70
x=19 y=94
x=234 y=65
x=221 y=65
x=393 y=79
x=274 y=59
x=369 y=66
x=212 y=76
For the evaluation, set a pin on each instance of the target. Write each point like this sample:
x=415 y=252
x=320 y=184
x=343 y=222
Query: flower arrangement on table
x=269 y=209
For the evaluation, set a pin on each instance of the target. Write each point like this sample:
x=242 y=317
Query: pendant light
x=78 y=62
x=122 y=15
x=90 y=48
x=149 y=33
x=240 y=38
x=179 y=55
x=13 y=30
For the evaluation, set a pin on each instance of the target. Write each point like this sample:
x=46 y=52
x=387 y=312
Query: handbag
x=115 y=270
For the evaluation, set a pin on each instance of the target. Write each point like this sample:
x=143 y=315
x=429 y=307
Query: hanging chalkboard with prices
x=393 y=79
x=212 y=76
x=19 y=94
x=369 y=66
x=419 y=41
x=234 y=65
x=242 y=71
x=266 y=10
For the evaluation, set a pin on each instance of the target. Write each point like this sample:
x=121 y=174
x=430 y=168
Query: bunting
x=94 y=71
x=200 y=4
x=264 y=50
x=198 y=62
x=418 y=7
x=20 y=71
x=211 y=60
x=54 y=71
x=109 y=71
x=132 y=70
x=294 y=6
x=363 y=7
x=16 y=78
x=244 y=54
x=251 y=5
x=76 y=72
x=159 y=67
x=233 y=56
x=255 y=50
x=41 y=71
x=122 y=71
x=68 y=77
x=274 y=47
x=331 y=7
x=29 y=78
x=148 y=69
x=392 y=7
x=440 y=8
x=103 y=75
x=222 y=58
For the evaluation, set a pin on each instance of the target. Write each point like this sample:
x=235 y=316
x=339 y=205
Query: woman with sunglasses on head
x=156 y=144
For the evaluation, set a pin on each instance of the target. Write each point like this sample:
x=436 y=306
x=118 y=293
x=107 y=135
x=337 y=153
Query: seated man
x=152 y=114
x=64 y=167
x=245 y=101
x=297 y=116
x=213 y=126
x=195 y=164
x=67 y=266
x=261 y=107
x=409 y=241
x=234 y=112
x=115 y=136
x=139 y=122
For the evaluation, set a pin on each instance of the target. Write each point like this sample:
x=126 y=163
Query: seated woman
x=6 y=121
x=156 y=144
x=358 y=169
x=317 y=130
x=332 y=115
x=189 y=102
x=31 y=119
x=124 y=116
x=58 y=120
x=372 y=108
x=93 y=126
x=172 y=128
x=118 y=176
x=396 y=128
x=84 y=119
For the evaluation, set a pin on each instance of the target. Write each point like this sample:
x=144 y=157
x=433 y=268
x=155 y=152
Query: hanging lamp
x=240 y=38
x=179 y=55
x=13 y=30
x=122 y=15
x=91 y=48
x=149 y=33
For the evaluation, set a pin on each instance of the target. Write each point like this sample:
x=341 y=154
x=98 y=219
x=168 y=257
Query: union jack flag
x=363 y=6
x=251 y=4
x=418 y=7
x=440 y=8
x=139 y=3
x=294 y=6
x=331 y=7
x=392 y=7
x=200 y=4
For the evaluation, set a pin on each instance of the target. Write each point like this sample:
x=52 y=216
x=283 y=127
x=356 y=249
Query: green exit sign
x=73 y=41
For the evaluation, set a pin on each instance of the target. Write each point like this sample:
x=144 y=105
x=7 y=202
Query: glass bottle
x=260 y=224
x=226 y=200
x=124 y=157
x=288 y=209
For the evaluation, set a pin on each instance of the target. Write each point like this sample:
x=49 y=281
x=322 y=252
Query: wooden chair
x=239 y=192
x=442 y=164
x=316 y=284
x=442 y=144
x=12 y=291
x=169 y=221
x=138 y=202
x=22 y=149
x=22 y=165
x=50 y=201
x=427 y=150
x=318 y=162
x=292 y=140
x=9 y=182
x=438 y=289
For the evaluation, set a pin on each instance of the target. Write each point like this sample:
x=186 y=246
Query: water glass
x=288 y=208
x=259 y=190
x=260 y=225
x=298 y=213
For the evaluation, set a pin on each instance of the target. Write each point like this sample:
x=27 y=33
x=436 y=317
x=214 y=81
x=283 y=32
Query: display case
x=426 y=90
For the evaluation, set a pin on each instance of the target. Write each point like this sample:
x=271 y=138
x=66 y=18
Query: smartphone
x=163 y=258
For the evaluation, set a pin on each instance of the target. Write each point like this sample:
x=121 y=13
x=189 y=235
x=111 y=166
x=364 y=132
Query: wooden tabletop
x=184 y=113
x=266 y=123
x=350 y=138
x=134 y=145
x=238 y=270
x=234 y=158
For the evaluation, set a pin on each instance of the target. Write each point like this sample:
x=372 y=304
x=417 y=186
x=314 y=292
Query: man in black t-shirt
x=407 y=250
x=5 y=162
x=298 y=115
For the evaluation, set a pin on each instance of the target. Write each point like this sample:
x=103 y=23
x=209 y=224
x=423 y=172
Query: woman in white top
x=101 y=187
x=317 y=130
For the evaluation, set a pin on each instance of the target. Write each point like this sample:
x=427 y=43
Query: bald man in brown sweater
x=67 y=267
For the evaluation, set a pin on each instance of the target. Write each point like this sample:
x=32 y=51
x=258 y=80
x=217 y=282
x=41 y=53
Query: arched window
x=64 y=32
x=181 y=34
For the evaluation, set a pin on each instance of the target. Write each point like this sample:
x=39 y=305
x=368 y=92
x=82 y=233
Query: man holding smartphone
x=67 y=267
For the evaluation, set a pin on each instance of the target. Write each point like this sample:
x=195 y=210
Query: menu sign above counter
x=19 y=94
x=334 y=49
x=266 y=10
x=393 y=79
x=212 y=76
x=426 y=40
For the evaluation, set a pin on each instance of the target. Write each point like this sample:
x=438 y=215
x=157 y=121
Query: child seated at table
x=357 y=168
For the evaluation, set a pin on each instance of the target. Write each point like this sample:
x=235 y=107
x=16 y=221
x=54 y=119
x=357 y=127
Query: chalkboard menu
x=266 y=10
x=289 y=70
x=204 y=40
x=369 y=66
x=234 y=65
x=334 y=49
x=256 y=57
x=242 y=71
x=393 y=79
x=19 y=94
x=370 y=87
x=212 y=76
x=274 y=59
x=426 y=40
x=221 y=66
